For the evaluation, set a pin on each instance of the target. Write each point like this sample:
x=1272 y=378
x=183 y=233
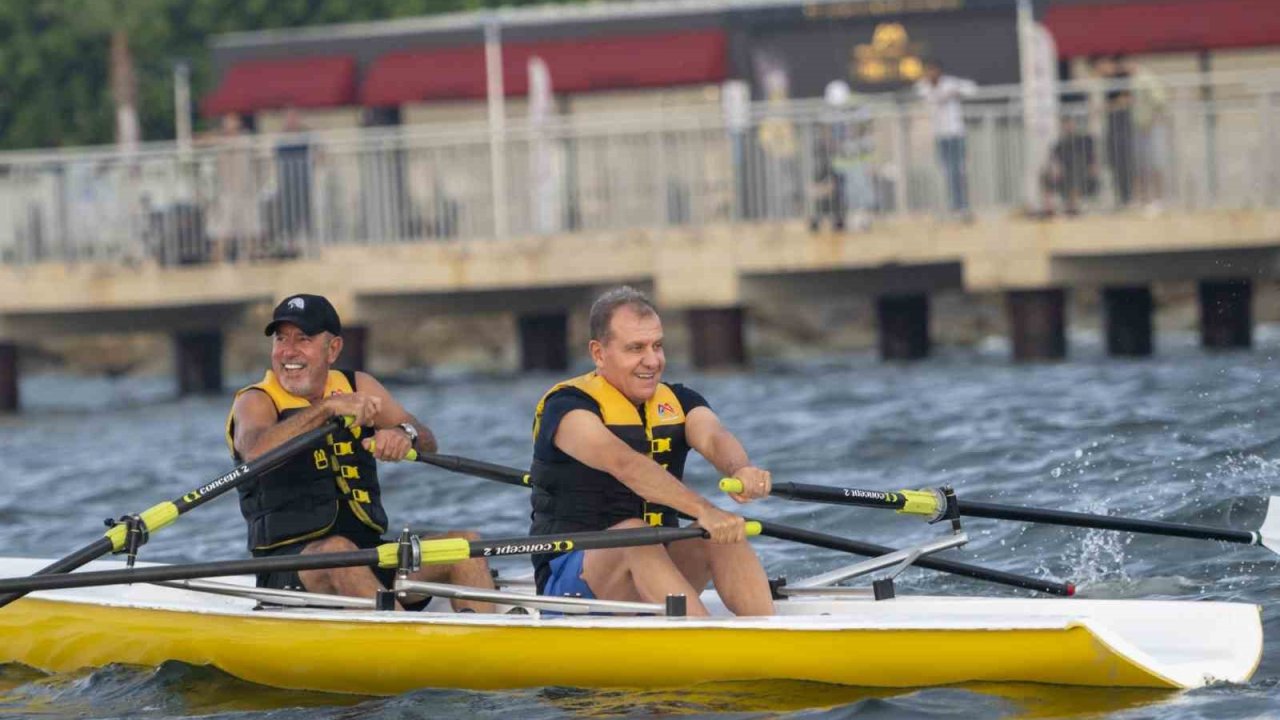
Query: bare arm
x=393 y=413
x=714 y=442
x=256 y=429
x=583 y=436
x=722 y=449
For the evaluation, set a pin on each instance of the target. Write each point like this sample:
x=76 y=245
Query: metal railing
x=251 y=198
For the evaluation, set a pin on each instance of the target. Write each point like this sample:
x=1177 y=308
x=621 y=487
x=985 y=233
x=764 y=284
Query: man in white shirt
x=942 y=95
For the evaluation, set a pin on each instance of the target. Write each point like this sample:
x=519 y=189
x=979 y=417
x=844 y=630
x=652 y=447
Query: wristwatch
x=411 y=431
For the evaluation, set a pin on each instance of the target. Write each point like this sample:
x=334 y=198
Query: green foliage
x=55 y=85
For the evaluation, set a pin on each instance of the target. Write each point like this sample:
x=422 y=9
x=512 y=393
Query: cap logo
x=298 y=303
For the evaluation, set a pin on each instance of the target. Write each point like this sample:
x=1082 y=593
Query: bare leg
x=350 y=581
x=470 y=573
x=736 y=570
x=644 y=573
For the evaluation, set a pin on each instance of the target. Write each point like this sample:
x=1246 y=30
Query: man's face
x=632 y=359
x=933 y=72
x=302 y=361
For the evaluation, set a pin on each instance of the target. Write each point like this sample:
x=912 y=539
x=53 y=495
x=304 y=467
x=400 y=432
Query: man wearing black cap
x=327 y=500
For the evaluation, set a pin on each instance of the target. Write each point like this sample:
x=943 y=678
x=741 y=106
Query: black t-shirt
x=566 y=400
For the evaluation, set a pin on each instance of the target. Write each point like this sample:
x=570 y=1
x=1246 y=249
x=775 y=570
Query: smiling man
x=328 y=499
x=609 y=453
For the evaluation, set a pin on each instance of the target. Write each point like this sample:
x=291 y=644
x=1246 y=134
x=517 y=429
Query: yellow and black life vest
x=570 y=496
x=301 y=499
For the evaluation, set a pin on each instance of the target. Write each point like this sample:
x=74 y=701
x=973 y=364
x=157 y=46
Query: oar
x=928 y=502
x=158 y=516
x=442 y=551
x=512 y=476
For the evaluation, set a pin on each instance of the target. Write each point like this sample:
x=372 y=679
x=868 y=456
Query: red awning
x=255 y=85
x=1162 y=26
x=577 y=65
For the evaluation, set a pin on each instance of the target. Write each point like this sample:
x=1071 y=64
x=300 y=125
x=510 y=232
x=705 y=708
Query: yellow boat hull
x=391 y=653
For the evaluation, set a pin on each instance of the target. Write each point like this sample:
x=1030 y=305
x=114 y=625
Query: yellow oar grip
x=154 y=517
x=731 y=485
x=445 y=551
x=411 y=456
x=754 y=528
x=116 y=535
x=389 y=555
x=919 y=502
x=159 y=516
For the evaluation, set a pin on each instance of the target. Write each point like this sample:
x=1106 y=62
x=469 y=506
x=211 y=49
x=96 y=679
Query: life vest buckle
x=350 y=472
x=659 y=445
x=360 y=495
x=343 y=448
x=654 y=519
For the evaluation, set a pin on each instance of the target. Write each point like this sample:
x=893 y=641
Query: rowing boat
x=57 y=620
x=841 y=638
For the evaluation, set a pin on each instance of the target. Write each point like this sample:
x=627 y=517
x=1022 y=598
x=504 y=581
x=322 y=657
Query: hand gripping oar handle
x=429 y=552
x=512 y=476
x=158 y=516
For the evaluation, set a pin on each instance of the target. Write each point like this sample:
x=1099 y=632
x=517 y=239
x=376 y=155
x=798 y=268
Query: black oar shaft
x=832 y=542
x=478 y=468
x=264 y=463
x=840 y=495
x=600 y=540
x=440 y=551
x=1104 y=522
x=902 y=499
x=317 y=561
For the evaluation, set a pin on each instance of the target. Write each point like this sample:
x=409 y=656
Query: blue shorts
x=566 y=577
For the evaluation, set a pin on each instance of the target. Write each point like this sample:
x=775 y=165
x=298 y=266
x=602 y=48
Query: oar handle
x=932 y=504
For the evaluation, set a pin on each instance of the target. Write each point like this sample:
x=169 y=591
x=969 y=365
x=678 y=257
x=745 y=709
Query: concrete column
x=1127 y=312
x=544 y=341
x=199 y=362
x=1226 y=314
x=903 y=323
x=716 y=336
x=8 y=377
x=1037 y=324
x=355 y=339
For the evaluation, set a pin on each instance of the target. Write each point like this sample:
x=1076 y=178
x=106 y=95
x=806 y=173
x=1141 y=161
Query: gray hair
x=606 y=305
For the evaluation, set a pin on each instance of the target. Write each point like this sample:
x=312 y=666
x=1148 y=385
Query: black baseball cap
x=311 y=313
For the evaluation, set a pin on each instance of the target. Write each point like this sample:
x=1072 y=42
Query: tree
x=70 y=70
